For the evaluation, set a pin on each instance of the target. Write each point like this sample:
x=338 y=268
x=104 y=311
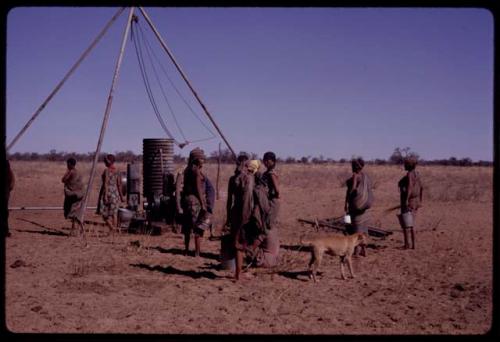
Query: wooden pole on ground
x=106 y=116
x=60 y=84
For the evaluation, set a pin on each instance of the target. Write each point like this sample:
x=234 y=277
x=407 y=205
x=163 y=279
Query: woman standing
x=111 y=196
x=358 y=200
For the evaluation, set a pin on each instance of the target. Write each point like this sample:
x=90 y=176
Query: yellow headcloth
x=253 y=165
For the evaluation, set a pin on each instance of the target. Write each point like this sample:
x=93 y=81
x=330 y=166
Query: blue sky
x=335 y=82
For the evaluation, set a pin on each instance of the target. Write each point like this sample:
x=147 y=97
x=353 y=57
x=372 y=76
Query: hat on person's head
x=269 y=156
x=242 y=157
x=253 y=165
x=196 y=153
x=410 y=161
x=357 y=163
x=109 y=159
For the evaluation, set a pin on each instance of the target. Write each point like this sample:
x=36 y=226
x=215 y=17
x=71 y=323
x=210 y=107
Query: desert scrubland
x=130 y=283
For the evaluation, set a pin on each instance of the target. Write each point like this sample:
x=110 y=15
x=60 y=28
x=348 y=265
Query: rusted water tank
x=158 y=160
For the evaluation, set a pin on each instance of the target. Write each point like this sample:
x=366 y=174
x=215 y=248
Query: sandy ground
x=133 y=283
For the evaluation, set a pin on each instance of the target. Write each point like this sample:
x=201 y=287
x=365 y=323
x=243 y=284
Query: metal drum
x=158 y=160
x=158 y=169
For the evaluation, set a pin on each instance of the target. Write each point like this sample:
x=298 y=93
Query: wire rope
x=177 y=90
x=147 y=48
x=147 y=85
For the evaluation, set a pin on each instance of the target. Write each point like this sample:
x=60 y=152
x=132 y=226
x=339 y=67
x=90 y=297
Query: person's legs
x=405 y=235
x=197 y=245
x=239 y=264
x=187 y=239
x=412 y=238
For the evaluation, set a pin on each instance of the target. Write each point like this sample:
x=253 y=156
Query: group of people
x=359 y=198
x=110 y=195
x=252 y=207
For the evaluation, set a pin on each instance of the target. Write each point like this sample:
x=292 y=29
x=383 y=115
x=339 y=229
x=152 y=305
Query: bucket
x=227 y=253
x=347 y=219
x=228 y=264
x=124 y=216
x=406 y=219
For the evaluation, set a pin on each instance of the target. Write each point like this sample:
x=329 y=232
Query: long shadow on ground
x=176 y=271
x=178 y=251
x=295 y=275
x=47 y=231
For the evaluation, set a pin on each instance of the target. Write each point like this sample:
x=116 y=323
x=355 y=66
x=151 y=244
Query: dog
x=340 y=245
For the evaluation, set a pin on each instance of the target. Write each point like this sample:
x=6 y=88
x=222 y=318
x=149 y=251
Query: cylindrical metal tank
x=158 y=160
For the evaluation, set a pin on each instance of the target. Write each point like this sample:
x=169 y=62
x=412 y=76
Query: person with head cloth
x=194 y=200
x=245 y=231
x=111 y=193
x=233 y=206
x=256 y=238
x=411 y=191
x=358 y=200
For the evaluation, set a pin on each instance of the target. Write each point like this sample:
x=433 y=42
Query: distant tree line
x=226 y=157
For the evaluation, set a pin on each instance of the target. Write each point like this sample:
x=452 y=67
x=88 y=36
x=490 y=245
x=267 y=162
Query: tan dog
x=340 y=245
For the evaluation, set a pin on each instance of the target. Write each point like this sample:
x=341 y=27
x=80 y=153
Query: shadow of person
x=295 y=275
x=178 y=251
x=43 y=232
x=175 y=271
x=47 y=231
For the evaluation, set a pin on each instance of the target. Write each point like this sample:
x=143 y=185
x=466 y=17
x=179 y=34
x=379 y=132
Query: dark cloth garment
x=267 y=181
x=189 y=181
x=73 y=194
x=192 y=209
x=414 y=196
x=269 y=209
x=267 y=253
x=360 y=198
x=256 y=219
x=210 y=194
x=191 y=205
x=71 y=206
x=241 y=210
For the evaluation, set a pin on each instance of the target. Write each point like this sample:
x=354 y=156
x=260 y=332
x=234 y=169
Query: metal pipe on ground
x=44 y=208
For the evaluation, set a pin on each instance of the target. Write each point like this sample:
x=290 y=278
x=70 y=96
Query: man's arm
x=409 y=190
x=229 y=203
x=200 y=189
x=66 y=176
x=178 y=189
x=274 y=180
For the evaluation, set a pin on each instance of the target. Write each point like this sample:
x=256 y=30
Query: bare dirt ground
x=133 y=283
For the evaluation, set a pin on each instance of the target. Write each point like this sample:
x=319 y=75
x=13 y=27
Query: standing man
x=193 y=200
x=411 y=191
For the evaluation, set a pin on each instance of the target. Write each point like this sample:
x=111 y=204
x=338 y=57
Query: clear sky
x=335 y=82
